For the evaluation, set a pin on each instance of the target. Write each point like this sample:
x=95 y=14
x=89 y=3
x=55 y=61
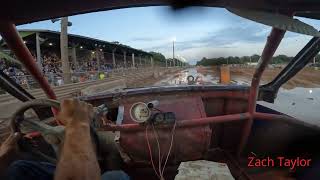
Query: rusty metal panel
x=214 y=106
x=234 y=106
x=189 y=143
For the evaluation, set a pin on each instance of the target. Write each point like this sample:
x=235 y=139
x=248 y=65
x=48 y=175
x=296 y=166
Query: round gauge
x=140 y=112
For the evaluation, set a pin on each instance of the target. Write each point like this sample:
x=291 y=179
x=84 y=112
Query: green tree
x=280 y=59
x=255 y=58
x=158 y=58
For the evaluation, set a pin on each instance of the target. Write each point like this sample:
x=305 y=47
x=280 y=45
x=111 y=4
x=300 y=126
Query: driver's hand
x=74 y=111
x=9 y=148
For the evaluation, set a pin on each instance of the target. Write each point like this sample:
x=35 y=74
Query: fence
x=27 y=81
x=132 y=77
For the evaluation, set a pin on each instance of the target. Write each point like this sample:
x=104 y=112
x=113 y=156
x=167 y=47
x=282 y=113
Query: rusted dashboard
x=188 y=143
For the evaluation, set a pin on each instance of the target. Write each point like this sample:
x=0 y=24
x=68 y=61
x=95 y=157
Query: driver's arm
x=78 y=158
x=8 y=152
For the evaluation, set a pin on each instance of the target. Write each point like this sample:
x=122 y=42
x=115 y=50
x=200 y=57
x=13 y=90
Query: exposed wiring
x=160 y=157
x=150 y=152
x=171 y=144
x=159 y=151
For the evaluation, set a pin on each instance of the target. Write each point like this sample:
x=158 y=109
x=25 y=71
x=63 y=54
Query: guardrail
x=27 y=82
x=130 y=76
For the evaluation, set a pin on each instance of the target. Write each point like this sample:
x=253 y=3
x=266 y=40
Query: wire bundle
x=161 y=169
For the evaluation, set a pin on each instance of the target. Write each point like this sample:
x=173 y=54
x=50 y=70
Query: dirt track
x=308 y=77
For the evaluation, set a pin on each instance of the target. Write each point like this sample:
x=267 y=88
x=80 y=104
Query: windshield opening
x=196 y=45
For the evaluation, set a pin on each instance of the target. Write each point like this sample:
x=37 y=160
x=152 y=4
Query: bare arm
x=8 y=152
x=78 y=159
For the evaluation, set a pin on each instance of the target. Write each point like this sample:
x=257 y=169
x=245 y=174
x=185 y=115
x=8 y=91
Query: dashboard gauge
x=139 y=112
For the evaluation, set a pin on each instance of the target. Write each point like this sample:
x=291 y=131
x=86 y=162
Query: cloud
x=238 y=40
x=145 y=39
x=223 y=38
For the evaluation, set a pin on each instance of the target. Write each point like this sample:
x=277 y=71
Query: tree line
x=160 y=59
x=280 y=59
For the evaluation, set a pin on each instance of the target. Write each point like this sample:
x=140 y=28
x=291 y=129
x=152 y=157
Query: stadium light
x=58 y=19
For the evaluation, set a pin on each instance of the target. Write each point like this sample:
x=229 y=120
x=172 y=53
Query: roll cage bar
x=268 y=92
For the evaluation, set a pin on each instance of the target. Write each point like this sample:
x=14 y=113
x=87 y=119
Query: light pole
x=173 y=40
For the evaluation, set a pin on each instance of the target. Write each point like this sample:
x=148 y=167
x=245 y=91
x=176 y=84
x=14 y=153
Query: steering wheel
x=53 y=135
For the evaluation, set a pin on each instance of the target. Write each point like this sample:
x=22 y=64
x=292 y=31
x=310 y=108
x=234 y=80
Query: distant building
x=81 y=48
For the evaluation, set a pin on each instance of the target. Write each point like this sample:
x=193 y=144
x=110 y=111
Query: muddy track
x=308 y=77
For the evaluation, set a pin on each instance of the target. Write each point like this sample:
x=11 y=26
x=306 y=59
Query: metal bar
x=271 y=46
x=10 y=34
x=269 y=91
x=11 y=87
x=181 y=123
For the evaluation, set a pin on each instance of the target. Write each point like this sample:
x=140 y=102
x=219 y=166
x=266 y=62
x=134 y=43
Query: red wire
x=150 y=153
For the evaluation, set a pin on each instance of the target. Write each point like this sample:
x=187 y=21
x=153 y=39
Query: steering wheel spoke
x=51 y=132
x=53 y=135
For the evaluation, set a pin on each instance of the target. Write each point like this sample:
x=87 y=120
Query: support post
x=125 y=59
x=166 y=63
x=64 y=50
x=98 y=58
x=271 y=46
x=74 y=56
x=140 y=59
x=114 y=59
x=133 y=64
x=152 y=63
x=38 y=51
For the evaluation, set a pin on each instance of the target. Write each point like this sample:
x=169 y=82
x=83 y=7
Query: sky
x=199 y=32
